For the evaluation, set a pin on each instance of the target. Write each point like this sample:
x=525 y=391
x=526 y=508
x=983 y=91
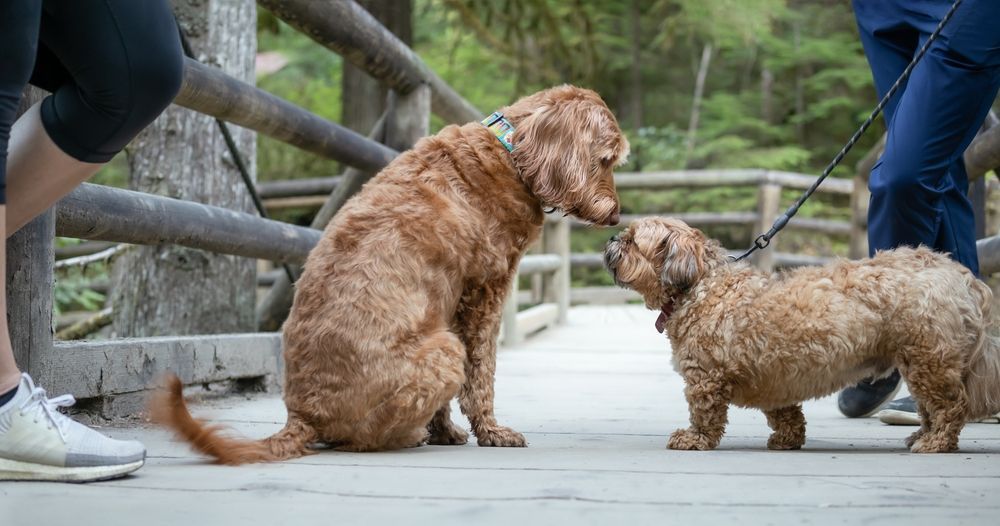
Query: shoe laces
x=37 y=402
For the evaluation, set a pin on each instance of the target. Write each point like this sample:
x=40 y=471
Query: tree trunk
x=636 y=67
x=699 y=90
x=800 y=97
x=362 y=97
x=168 y=289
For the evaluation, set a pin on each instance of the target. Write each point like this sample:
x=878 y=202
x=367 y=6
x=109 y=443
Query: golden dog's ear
x=560 y=144
x=683 y=260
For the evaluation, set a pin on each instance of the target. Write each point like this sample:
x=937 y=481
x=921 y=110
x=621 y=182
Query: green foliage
x=72 y=289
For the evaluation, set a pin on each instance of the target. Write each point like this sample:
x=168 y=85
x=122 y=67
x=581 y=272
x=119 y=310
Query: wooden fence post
x=30 y=254
x=768 y=201
x=557 y=284
x=511 y=336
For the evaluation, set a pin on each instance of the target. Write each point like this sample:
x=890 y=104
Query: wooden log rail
x=345 y=27
x=210 y=91
x=108 y=214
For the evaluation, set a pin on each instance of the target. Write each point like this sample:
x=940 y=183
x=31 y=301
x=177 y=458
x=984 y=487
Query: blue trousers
x=919 y=186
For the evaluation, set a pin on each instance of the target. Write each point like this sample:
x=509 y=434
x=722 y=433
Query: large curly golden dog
x=398 y=308
x=743 y=337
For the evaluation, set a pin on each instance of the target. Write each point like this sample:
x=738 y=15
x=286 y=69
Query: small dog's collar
x=501 y=128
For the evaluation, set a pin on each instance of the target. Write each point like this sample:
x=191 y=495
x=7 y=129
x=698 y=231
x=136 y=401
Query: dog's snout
x=614 y=237
x=614 y=218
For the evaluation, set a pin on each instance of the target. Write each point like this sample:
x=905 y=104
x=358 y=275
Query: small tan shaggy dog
x=398 y=309
x=743 y=337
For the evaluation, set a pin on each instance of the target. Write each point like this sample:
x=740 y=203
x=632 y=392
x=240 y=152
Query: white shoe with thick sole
x=37 y=442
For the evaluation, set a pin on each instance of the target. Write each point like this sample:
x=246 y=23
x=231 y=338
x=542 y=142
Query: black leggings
x=112 y=66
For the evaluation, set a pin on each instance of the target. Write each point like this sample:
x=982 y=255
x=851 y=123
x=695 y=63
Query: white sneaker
x=37 y=442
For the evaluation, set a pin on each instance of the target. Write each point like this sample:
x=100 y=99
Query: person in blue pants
x=919 y=186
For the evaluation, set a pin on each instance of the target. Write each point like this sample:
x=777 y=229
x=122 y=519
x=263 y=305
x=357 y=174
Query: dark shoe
x=901 y=412
x=867 y=397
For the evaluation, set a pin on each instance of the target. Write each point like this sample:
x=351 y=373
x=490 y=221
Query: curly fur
x=743 y=337
x=398 y=308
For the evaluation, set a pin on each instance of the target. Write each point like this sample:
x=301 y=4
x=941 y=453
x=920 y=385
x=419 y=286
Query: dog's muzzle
x=612 y=255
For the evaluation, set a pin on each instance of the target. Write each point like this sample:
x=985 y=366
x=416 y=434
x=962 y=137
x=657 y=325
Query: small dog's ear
x=682 y=261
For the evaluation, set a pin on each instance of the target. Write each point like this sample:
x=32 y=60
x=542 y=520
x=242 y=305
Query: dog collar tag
x=501 y=128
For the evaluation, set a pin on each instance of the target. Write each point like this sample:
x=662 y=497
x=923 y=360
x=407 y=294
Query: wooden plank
x=535 y=263
x=298 y=187
x=534 y=319
x=664 y=180
x=210 y=91
x=346 y=28
x=696 y=219
x=82 y=249
x=30 y=253
x=989 y=255
x=88 y=369
x=983 y=154
x=110 y=214
x=603 y=295
x=781 y=259
x=768 y=201
x=285 y=203
x=556 y=286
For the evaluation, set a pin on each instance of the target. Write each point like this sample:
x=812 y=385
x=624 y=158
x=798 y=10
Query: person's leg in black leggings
x=112 y=65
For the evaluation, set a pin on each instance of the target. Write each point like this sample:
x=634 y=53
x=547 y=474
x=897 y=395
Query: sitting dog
x=741 y=336
x=398 y=308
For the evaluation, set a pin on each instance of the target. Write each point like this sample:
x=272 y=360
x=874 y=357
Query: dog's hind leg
x=934 y=376
x=443 y=431
x=424 y=378
x=708 y=402
x=789 y=427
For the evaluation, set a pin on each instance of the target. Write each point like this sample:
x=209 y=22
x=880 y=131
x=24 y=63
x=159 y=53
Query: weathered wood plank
x=298 y=187
x=88 y=369
x=664 y=180
x=210 y=91
x=30 y=254
x=110 y=214
x=346 y=28
x=535 y=263
x=534 y=319
x=989 y=255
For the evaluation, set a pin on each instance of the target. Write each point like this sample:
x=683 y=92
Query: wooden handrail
x=346 y=28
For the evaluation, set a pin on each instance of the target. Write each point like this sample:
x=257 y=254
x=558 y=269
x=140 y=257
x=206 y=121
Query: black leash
x=235 y=153
x=764 y=239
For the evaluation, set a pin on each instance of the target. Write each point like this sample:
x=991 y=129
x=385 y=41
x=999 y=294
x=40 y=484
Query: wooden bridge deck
x=596 y=399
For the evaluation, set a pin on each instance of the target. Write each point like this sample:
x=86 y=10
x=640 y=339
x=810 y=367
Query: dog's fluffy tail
x=982 y=376
x=168 y=409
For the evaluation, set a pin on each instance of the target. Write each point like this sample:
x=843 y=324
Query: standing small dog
x=744 y=337
x=398 y=308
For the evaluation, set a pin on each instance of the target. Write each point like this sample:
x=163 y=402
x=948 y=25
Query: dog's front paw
x=929 y=443
x=501 y=437
x=785 y=442
x=912 y=439
x=688 y=440
x=451 y=435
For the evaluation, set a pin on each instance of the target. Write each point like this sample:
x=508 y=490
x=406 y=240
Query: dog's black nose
x=615 y=237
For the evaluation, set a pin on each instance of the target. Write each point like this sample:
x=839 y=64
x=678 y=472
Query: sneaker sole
x=11 y=470
x=898 y=418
